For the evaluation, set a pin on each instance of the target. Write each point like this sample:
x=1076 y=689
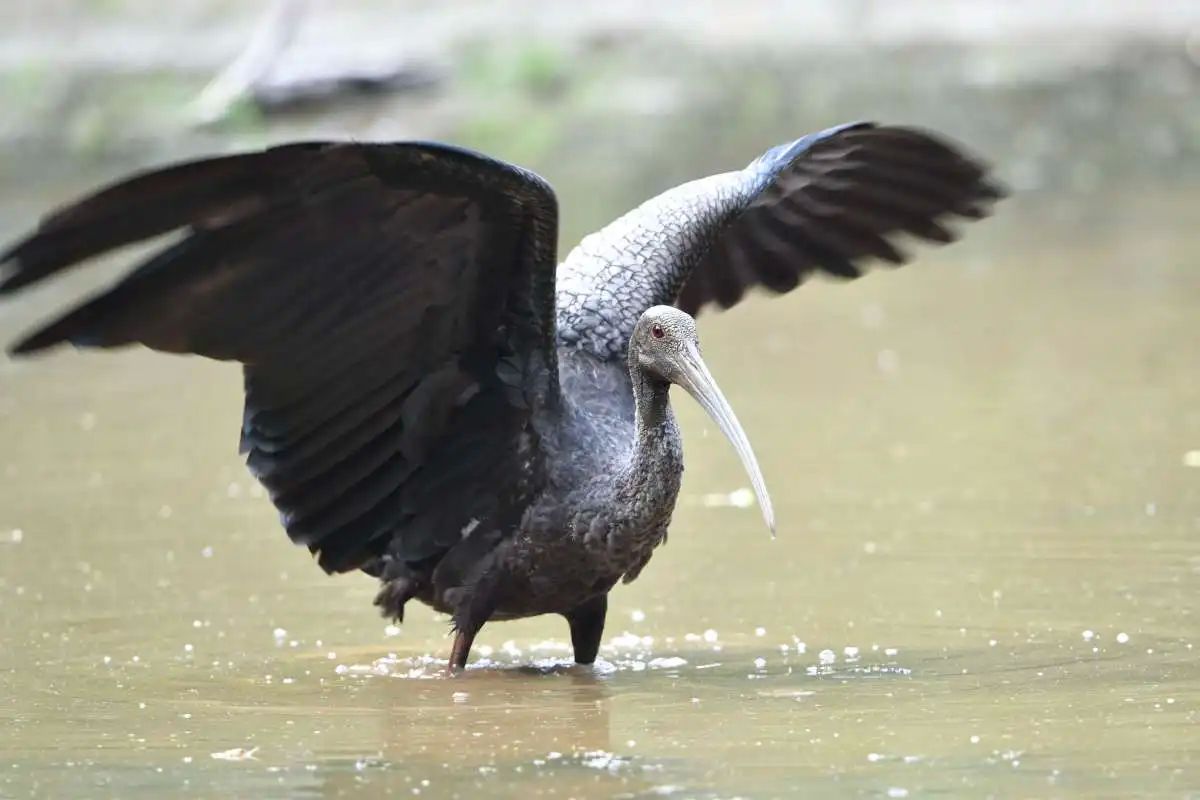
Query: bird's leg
x=587 y=626
x=473 y=608
x=461 y=651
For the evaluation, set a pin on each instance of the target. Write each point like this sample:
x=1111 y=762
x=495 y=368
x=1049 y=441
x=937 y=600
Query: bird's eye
x=657 y=332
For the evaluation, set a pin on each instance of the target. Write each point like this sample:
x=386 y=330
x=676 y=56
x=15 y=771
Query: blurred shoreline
x=202 y=34
x=92 y=89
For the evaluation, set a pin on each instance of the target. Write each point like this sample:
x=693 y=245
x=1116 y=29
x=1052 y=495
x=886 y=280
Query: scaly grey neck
x=653 y=473
x=647 y=484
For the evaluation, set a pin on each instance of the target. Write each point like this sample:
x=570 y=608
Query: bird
x=430 y=396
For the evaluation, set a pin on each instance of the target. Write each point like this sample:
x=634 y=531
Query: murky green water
x=987 y=476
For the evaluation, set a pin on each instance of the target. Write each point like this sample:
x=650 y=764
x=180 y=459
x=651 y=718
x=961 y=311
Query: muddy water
x=987 y=477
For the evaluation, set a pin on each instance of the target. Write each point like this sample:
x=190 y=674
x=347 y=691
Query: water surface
x=986 y=469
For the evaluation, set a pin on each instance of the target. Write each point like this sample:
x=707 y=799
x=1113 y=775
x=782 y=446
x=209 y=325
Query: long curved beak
x=695 y=378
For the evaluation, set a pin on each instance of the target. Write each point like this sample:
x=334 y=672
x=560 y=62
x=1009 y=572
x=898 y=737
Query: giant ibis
x=429 y=396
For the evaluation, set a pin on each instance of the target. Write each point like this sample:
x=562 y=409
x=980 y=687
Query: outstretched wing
x=829 y=201
x=392 y=305
x=823 y=203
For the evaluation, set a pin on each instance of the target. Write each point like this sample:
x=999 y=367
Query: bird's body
x=612 y=478
x=429 y=398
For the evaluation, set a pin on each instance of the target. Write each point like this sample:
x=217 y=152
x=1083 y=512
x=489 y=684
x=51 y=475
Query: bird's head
x=664 y=347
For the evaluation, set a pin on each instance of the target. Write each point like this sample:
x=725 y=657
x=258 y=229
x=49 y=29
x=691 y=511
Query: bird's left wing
x=829 y=201
x=825 y=203
x=392 y=305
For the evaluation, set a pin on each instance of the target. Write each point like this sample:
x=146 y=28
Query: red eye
x=657 y=332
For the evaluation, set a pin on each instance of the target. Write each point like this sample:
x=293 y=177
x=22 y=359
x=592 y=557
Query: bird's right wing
x=823 y=203
x=392 y=305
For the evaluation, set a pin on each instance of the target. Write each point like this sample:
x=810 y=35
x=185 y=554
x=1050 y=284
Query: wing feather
x=830 y=201
x=377 y=296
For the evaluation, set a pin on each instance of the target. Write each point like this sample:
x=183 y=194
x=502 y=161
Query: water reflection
x=515 y=728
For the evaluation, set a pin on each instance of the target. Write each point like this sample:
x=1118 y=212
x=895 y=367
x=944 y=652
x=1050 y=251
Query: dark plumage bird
x=430 y=397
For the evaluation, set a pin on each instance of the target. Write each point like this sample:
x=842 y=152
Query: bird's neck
x=657 y=459
x=646 y=486
x=650 y=394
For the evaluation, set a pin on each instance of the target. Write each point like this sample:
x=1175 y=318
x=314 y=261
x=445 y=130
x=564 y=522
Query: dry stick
x=273 y=34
